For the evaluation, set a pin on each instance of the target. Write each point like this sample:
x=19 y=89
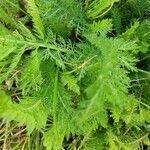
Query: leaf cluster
x=69 y=72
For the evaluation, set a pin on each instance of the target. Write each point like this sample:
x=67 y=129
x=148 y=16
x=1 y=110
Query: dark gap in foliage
x=75 y=102
x=144 y=61
x=28 y=52
x=20 y=14
x=74 y=37
x=145 y=147
x=48 y=123
x=29 y=24
x=73 y=141
x=111 y=120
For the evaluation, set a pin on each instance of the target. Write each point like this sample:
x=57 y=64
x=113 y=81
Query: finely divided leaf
x=71 y=82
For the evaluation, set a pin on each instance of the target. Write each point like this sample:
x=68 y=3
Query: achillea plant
x=67 y=78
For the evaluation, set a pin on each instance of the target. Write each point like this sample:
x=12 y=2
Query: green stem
x=34 y=44
x=55 y=95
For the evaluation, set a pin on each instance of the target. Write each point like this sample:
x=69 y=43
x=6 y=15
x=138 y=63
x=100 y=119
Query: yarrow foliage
x=67 y=72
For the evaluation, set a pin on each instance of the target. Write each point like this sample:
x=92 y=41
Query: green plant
x=66 y=80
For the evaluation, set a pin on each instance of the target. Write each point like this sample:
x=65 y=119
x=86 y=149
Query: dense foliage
x=74 y=74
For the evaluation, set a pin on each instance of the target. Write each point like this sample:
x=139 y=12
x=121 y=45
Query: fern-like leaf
x=34 y=12
x=71 y=82
x=29 y=112
x=31 y=77
x=97 y=7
